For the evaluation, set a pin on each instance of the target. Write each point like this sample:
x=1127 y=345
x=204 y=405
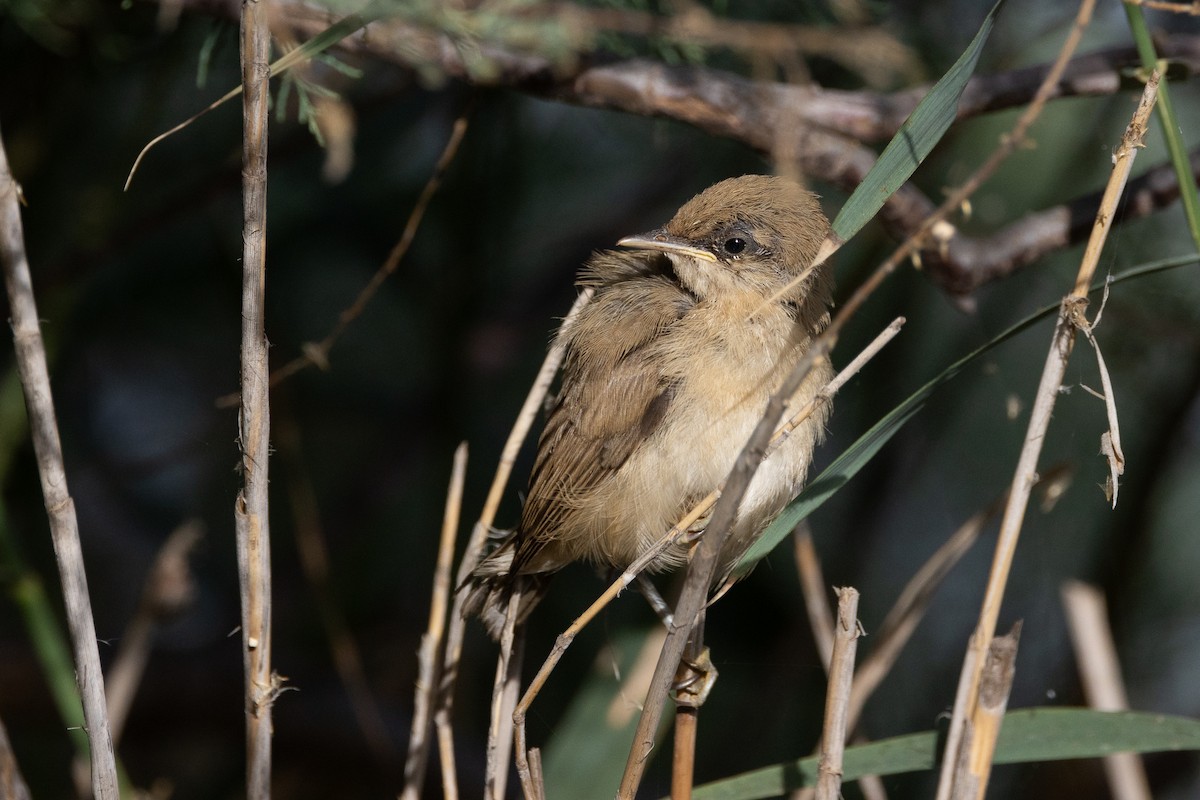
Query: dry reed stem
x=812 y=586
x=1070 y=315
x=1000 y=666
x=535 y=771
x=168 y=589
x=430 y=654
x=818 y=610
x=60 y=508
x=445 y=740
x=693 y=680
x=504 y=701
x=820 y=618
x=683 y=764
x=837 y=698
x=251 y=507
x=563 y=642
x=507 y=682
x=1100 y=671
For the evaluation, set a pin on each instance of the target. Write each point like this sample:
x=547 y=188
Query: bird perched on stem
x=666 y=372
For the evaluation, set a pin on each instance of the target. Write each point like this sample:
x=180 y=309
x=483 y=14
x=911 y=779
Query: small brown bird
x=667 y=371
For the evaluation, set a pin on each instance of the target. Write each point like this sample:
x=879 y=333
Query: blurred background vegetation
x=139 y=291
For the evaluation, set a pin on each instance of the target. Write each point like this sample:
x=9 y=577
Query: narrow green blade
x=1028 y=735
x=847 y=465
x=918 y=135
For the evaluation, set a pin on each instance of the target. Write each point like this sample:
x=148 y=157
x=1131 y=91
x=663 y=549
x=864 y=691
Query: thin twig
x=529 y=410
x=820 y=618
x=505 y=692
x=837 y=698
x=496 y=769
x=60 y=508
x=693 y=680
x=317 y=353
x=1100 y=671
x=251 y=507
x=813 y=586
x=168 y=590
x=314 y=559
x=429 y=657
x=536 y=773
x=966 y=697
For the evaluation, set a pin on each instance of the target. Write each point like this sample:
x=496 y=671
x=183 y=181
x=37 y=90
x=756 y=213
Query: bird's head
x=744 y=239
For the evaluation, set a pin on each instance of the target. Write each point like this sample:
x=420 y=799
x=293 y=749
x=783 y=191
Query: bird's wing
x=613 y=398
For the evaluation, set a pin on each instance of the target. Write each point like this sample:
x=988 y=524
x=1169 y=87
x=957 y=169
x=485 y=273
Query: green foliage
x=1027 y=735
x=859 y=454
x=916 y=138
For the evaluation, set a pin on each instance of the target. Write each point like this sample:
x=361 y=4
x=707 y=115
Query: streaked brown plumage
x=667 y=371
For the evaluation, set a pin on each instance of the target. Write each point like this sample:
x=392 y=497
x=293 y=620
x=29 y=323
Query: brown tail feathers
x=492 y=585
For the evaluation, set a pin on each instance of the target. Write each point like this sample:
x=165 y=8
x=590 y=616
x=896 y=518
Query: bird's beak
x=664 y=242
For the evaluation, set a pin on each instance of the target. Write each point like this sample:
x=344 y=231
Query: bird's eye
x=734 y=246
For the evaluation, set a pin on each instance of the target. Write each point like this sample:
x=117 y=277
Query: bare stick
x=504 y=699
x=841 y=672
x=60 y=508
x=820 y=618
x=445 y=740
x=168 y=589
x=1096 y=657
x=975 y=762
x=812 y=585
x=1073 y=305
x=251 y=508
x=429 y=658
x=693 y=680
x=537 y=778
